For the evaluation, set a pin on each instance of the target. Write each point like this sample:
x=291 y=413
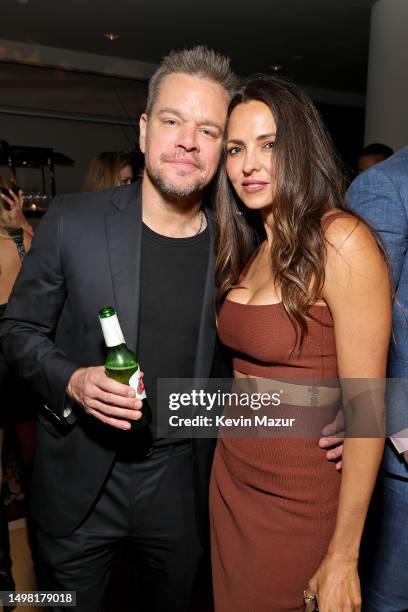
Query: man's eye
x=207 y=132
x=170 y=121
x=233 y=150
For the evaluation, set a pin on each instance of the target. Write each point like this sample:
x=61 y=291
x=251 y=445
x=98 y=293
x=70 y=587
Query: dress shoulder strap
x=340 y=214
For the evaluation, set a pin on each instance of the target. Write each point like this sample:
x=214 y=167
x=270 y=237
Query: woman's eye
x=270 y=145
x=233 y=150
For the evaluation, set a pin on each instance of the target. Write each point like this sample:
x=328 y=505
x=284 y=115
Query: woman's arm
x=357 y=290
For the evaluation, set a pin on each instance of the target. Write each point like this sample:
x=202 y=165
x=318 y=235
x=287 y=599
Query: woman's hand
x=15 y=211
x=336 y=585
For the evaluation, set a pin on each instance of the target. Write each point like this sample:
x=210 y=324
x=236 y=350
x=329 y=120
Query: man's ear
x=142 y=129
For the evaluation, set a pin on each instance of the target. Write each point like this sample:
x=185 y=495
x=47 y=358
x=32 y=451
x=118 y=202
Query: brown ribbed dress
x=273 y=501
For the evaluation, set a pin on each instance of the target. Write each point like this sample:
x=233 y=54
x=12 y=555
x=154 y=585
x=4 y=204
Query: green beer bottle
x=121 y=364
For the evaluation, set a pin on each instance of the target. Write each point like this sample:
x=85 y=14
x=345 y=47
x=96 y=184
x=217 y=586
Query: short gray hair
x=200 y=62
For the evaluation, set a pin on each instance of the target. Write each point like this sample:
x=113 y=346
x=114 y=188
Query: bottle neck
x=117 y=347
x=112 y=331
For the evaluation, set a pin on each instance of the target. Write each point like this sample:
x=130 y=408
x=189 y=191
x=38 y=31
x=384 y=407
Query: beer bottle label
x=136 y=382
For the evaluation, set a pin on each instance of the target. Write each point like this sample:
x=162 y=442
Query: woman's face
x=125 y=176
x=250 y=153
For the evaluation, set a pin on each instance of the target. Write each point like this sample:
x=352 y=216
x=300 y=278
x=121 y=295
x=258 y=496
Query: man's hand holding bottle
x=113 y=393
x=106 y=399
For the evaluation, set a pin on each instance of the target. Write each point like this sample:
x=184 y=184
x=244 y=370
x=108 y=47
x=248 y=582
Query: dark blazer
x=85 y=255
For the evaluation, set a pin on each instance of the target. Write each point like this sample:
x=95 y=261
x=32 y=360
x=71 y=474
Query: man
x=147 y=249
x=372 y=154
x=380 y=195
x=95 y=484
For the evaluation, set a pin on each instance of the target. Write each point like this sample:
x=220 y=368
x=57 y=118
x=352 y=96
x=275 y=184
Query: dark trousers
x=151 y=504
x=385 y=564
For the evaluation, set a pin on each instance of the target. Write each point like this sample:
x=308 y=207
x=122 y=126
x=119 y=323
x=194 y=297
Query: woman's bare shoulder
x=347 y=233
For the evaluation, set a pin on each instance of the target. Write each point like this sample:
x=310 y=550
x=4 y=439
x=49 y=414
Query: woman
x=312 y=302
x=109 y=169
x=17 y=408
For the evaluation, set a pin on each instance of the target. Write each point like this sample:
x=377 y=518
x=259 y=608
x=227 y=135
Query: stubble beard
x=163 y=185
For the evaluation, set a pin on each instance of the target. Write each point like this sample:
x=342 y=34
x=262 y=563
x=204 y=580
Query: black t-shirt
x=173 y=273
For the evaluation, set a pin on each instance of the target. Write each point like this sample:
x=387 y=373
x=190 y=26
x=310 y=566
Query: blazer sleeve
x=28 y=327
x=376 y=197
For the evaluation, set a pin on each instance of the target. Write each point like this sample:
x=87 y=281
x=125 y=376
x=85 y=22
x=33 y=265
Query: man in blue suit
x=380 y=195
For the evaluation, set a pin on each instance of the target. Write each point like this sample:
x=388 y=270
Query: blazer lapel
x=123 y=235
x=207 y=328
x=124 y=239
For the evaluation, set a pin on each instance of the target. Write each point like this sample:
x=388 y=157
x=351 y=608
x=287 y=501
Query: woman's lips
x=253 y=186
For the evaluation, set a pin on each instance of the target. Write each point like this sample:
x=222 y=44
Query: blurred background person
x=372 y=154
x=109 y=169
x=17 y=411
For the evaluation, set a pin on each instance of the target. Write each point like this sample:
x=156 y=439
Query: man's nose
x=187 y=139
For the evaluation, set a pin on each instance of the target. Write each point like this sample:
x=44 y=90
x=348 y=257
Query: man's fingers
x=328 y=442
x=329 y=429
x=336 y=426
x=117 y=400
x=335 y=453
x=109 y=385
x=333 y=429
x=113 y=411
x=105 y=398
x=117 y=423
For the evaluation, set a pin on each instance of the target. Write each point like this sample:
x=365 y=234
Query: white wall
x=387 y=83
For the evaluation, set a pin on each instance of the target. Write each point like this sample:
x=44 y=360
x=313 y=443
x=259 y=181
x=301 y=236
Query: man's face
x=182 y=136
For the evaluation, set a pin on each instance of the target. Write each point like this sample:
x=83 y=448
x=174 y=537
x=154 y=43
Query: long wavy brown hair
x=309 y=183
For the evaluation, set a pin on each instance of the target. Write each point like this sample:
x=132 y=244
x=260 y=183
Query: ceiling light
x=276 y=67
x=111 y=35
